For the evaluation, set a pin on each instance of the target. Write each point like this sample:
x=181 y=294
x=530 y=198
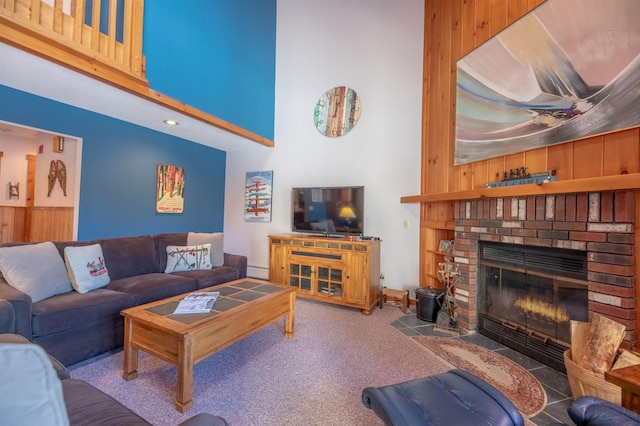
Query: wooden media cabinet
x=328 y=269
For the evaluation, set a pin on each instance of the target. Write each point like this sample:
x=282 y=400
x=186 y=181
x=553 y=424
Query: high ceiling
x=26 y=72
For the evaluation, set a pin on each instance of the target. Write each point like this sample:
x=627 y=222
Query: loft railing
x=99 y=37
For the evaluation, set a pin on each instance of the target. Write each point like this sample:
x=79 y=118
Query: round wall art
x=337 y=111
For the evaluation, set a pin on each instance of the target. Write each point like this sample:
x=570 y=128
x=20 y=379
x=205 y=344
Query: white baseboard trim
x=258 y=272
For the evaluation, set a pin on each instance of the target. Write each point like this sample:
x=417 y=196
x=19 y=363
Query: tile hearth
x=554 y=382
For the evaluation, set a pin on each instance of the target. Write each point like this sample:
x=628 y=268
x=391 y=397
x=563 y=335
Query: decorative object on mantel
x=448 y=272
x=337 y=111
x=14 y=190
x=520 y=176
x=532 y=86
x=57 y=171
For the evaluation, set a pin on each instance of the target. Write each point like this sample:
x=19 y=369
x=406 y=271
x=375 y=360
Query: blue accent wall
x=118 y=177
x=216 y=55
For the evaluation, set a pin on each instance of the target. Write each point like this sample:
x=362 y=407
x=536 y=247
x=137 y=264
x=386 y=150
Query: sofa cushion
x=86 y=267
x=87 y=405
x=188 y=258
x=30 y=388
x=161 y=242
x=129 y=256
x=35 y=269
x=216 y=240
x=215 y=276
x=152 y=287
x=72 y=309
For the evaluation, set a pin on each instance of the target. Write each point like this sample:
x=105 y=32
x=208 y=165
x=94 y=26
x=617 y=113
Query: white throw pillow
x=86 y=267
x=216 y=240
x=30 y=388
x=35 y=269
x=188 y=258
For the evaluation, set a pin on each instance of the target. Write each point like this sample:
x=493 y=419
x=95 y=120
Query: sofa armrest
x=204 y=419
x=7 y=317
x=21 y=305
x=237 y=261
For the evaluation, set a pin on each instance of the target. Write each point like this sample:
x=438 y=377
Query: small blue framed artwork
x=257 y=196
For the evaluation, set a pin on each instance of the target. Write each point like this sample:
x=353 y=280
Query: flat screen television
x=332 y=211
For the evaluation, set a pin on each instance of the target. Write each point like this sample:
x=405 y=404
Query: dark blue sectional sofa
x=73 y=327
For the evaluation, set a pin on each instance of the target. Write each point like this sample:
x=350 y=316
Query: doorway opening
x=45 y=205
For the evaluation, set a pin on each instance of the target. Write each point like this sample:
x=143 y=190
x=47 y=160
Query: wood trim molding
x=596 y=184
x=65 y=54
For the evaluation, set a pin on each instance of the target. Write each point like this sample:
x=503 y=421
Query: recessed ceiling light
x=171 y=122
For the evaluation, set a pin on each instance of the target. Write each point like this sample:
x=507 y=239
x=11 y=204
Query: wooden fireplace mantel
x=595 y=184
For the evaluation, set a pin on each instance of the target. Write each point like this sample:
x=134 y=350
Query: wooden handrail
x=64 y=38
x=51 y=25
x=595 y=184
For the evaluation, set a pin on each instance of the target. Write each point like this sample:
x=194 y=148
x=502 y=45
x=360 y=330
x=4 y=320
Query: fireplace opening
x=527 y=297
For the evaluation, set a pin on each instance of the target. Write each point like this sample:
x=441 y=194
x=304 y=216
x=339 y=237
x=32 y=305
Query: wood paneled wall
x=51 y=224
x=453 y=28
x=12 y=226
x=46 y=224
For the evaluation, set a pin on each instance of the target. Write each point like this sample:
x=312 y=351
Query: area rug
x=516 y=383
x=314 y=379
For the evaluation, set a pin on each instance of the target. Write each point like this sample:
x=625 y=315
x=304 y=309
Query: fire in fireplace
x=528 y=295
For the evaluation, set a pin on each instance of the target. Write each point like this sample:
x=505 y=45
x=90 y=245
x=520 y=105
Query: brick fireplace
x=600 y=224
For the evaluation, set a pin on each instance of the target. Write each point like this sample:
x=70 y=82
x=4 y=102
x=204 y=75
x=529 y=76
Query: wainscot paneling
x=12 y=227
x=51 y=224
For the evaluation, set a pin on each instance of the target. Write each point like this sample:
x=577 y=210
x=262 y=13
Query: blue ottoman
x=456 y=397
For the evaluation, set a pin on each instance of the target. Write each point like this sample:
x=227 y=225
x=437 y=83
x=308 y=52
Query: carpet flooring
x=512 y=380
x=315 y=378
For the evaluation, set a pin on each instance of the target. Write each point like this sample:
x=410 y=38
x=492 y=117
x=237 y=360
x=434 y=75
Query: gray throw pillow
x=216 y=240
x=35 y=269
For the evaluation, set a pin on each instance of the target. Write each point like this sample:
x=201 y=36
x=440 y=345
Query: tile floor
x=554 y=382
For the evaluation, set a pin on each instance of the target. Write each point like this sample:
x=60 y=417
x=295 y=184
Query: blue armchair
x=592 y=411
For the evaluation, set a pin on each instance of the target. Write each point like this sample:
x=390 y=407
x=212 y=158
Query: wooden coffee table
x=243 y=307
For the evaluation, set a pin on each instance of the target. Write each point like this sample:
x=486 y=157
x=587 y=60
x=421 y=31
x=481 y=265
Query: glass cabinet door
x=329 y=281
x=300 y=276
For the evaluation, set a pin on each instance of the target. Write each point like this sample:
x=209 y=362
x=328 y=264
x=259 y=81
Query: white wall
x=13 y=166
x=68 y=156
x=374 y=47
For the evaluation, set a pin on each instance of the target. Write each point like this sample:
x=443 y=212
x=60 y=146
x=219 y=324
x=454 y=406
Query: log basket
x=586 y=382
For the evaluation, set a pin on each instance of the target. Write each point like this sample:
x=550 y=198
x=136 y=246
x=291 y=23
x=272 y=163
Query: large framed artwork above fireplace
x=530 y=264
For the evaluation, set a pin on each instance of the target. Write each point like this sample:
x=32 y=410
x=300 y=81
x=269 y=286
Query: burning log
x=544 y=309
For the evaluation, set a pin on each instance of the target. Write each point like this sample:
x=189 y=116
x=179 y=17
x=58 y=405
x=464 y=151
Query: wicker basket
x=587 y=382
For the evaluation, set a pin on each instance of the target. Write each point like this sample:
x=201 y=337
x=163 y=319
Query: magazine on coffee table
x=197 y=303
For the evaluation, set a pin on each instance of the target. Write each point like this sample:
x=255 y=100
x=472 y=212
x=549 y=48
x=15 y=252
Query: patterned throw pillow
x=188 y=258
x=86 y=267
